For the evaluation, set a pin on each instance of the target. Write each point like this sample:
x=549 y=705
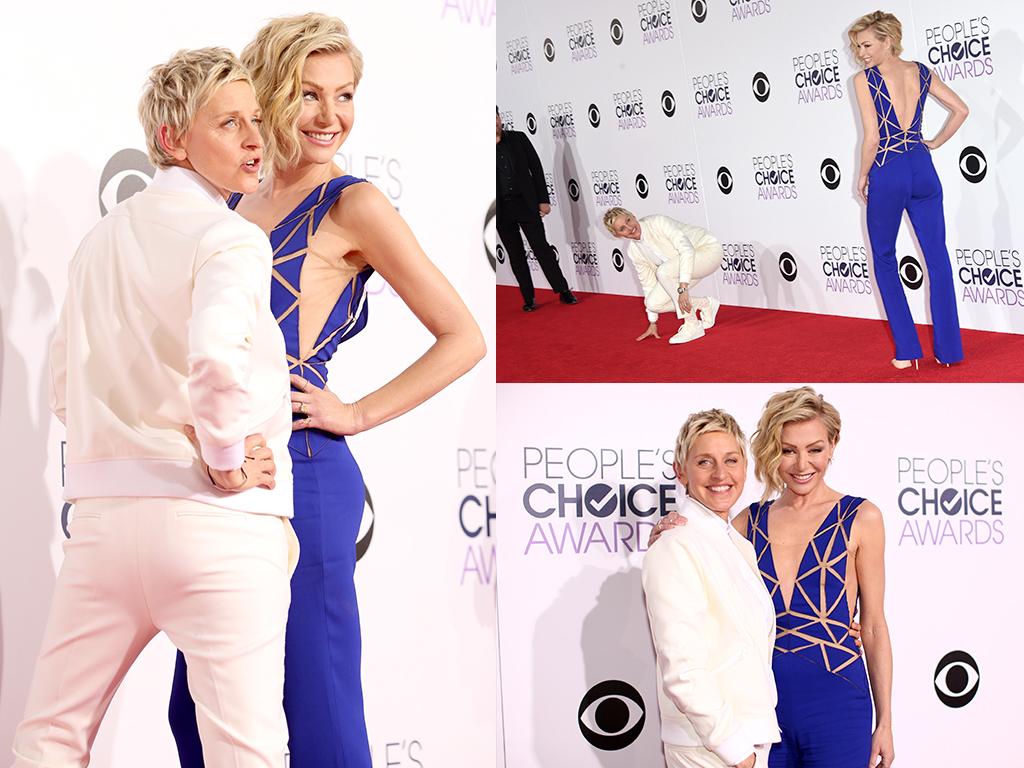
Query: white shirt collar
x=696 y=512
x=178 y=179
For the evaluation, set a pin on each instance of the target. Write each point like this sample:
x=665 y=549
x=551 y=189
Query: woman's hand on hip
x=321 y=409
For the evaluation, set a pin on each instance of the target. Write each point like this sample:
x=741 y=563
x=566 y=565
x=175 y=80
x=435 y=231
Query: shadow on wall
x=27 y=524
x=579 y=227
x=615 y=645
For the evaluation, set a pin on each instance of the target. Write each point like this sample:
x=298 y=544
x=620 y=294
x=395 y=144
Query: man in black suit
x=522 y=197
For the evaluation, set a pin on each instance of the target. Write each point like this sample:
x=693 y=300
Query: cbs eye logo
x=531 y=123
x=499 y=254
x=616 y=32
x=787 y=266
x=365 y=525
x=618 y=261
x=549 y=49
x=574 y=190
x=699 y=9
x=761 y=87
x=594 y=115
x=724 y=178
x=127 y=172
x=973 y=164
x=830 y=175
x=668 y=103
x=910 y=272
x=642 y=187
x=490 y=234
x=611 y=715
x=956 y=679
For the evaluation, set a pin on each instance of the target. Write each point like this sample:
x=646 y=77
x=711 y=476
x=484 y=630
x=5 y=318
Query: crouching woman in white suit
x=711 y=618
x=670 y=257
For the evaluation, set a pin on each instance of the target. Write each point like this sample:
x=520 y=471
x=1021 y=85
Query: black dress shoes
x=566 y=297
x=530 y=307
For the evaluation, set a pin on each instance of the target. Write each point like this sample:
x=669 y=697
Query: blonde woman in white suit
x=670 y=257
x=712 y=621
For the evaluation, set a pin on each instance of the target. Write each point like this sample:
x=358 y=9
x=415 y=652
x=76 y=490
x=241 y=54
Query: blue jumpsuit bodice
x=824 y=707
x=892 y=139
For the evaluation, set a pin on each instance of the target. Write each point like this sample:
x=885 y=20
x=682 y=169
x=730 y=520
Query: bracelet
x=222 y=488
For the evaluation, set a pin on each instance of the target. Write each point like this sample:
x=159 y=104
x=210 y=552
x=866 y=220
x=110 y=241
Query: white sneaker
x=708 y=311
x=688 y=331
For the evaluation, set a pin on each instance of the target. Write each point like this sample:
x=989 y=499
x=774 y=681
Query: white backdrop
x=586 y=471
x=683 y=108
x=71 y=76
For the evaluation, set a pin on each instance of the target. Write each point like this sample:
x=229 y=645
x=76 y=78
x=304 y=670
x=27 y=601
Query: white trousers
x=698 y=757
x=215 y=580
x=664 y=296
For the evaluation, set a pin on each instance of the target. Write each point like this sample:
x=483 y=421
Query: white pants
x=215 y=580
x=664 y=296
x=698 y=757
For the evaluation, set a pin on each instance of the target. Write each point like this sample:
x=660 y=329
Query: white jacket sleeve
x=231 y=285
x=677 y=604
x=59 y=367
x=683 y=246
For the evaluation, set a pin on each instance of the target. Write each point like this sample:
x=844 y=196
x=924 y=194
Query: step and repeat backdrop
x=580 y=493
x=740 y=116
x=71 y=150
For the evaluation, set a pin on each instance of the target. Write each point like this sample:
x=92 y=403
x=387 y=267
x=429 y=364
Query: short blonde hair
x=611 y=215
x=702 y=422
x=179 y=88
x=884 y=25
x=276 y=57
x=793 y=405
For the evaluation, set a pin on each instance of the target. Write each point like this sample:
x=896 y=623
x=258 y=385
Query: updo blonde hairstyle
x=611 y=215
x=885 y=27
x=276 y=58
x=794 y=405
x=702 y=422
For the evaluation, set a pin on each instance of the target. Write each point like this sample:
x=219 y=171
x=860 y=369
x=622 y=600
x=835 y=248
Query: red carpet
x=594 y=341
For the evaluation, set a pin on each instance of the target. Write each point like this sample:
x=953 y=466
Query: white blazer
x=167 y=322
x=713 y=625
x=679 y=242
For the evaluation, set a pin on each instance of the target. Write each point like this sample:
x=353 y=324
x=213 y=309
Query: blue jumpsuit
x=903 y=177
x=323 y=699
x=824 y=708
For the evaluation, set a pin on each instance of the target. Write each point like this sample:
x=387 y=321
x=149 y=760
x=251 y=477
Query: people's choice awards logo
x=611 y=715
x=951 y=501
x=845 y=268
x=477 y=517
x=816 y=76
x=956 y=679
x=830 y=175
x=739 y=265
x=711 y=95
x=518 y=51
x=699 y=9
x=655 y=21
x=629 y=109
x=582 y=42
x=775 y=177
x=562 y=119
x=127 y=172
x=960 y=49
x=724 y=179
x=990 y=275
x=973 y=164
x=761 y=87
x=787 y=266
x=748 y=9
x=490 y=234
x=910 y=272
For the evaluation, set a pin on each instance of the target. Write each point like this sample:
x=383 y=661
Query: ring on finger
x=302 y=408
